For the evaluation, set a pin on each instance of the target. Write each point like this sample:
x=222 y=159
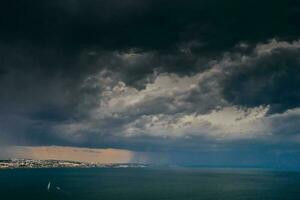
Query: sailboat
x=48 y=186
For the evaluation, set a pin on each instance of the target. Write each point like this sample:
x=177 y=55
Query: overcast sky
x=194 y=82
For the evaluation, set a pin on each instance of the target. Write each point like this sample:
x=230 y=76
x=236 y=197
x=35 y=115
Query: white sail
x=48 y=186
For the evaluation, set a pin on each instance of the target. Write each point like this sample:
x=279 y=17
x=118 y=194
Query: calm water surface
x=148 y=184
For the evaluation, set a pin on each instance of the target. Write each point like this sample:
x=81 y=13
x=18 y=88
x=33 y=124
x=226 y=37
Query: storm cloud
x=150 y=74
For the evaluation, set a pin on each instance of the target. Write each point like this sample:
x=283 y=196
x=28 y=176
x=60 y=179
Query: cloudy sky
x=195 y=82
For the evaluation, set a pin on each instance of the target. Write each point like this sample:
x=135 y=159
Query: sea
x=148 y=184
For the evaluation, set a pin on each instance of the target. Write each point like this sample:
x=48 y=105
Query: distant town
x=28 y=163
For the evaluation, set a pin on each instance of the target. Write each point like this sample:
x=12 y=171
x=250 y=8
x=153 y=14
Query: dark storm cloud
x=55 y=33
x=49 y=49
x=271 y=79
x=160 y=25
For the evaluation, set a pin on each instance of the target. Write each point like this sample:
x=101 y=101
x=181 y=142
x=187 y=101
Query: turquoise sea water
x=150 y=184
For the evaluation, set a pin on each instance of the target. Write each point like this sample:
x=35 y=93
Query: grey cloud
x=270 y=79
x=116 y=97
x=286 y=125
x=194 y=76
